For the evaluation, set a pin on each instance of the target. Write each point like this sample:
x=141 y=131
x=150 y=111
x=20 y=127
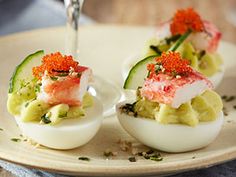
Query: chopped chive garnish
x=16 y=139
x=201 y=54
x=62 y=74
x=156 y=158
x=151 y=155
x=172 y=39
x=53 y=78
x=129 y=109
x=108 y=154
x=140 y=154
x=60 y=71
x=226 y=114
x=45 y=119
x=224 y=97
x=156 y=49
x=1 y=129
x=37 y=88
x=231 y=98
x=150 y=151
x=26 y=104
x=62 y=115
x=84 y=158
x=132 y=159
x=180 y=40
x=79 y=74
x=146 y=156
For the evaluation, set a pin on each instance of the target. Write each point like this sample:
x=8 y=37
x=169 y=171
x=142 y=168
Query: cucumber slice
x=24 y=70
x=138 y=73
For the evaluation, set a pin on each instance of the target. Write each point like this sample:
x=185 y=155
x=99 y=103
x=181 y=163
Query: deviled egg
x=176 y=109
x=195 y=39
x=200 y=47
x=49 y=99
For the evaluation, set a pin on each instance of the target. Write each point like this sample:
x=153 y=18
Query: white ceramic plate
x=104 y=48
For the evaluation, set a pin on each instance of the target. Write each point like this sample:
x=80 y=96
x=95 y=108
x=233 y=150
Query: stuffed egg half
x=173 y=112
x=48 y=98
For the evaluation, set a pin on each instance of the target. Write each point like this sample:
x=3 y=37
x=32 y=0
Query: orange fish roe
x=170 y=63
x=55 y=63
x=184 y=20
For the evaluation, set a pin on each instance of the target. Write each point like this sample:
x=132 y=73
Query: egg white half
x=69 y=133
x=132 y=60
x=170 y=137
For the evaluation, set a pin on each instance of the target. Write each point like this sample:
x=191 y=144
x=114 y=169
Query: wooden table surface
x=152 y=12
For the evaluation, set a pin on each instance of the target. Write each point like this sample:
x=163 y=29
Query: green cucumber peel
x=133 y=70
x=15 y=78
x=129 y=83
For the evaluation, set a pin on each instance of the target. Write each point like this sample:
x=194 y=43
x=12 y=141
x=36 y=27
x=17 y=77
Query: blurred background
x=21 y=15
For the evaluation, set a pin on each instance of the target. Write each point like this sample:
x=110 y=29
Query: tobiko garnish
x=55 y=64
x=185 y=20
x=169 y=63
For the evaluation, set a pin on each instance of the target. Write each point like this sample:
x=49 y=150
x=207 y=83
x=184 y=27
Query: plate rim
x=150 y=169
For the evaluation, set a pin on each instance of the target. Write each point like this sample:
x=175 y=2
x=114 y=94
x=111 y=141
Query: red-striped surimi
x=174 y=91
x=68 y=89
